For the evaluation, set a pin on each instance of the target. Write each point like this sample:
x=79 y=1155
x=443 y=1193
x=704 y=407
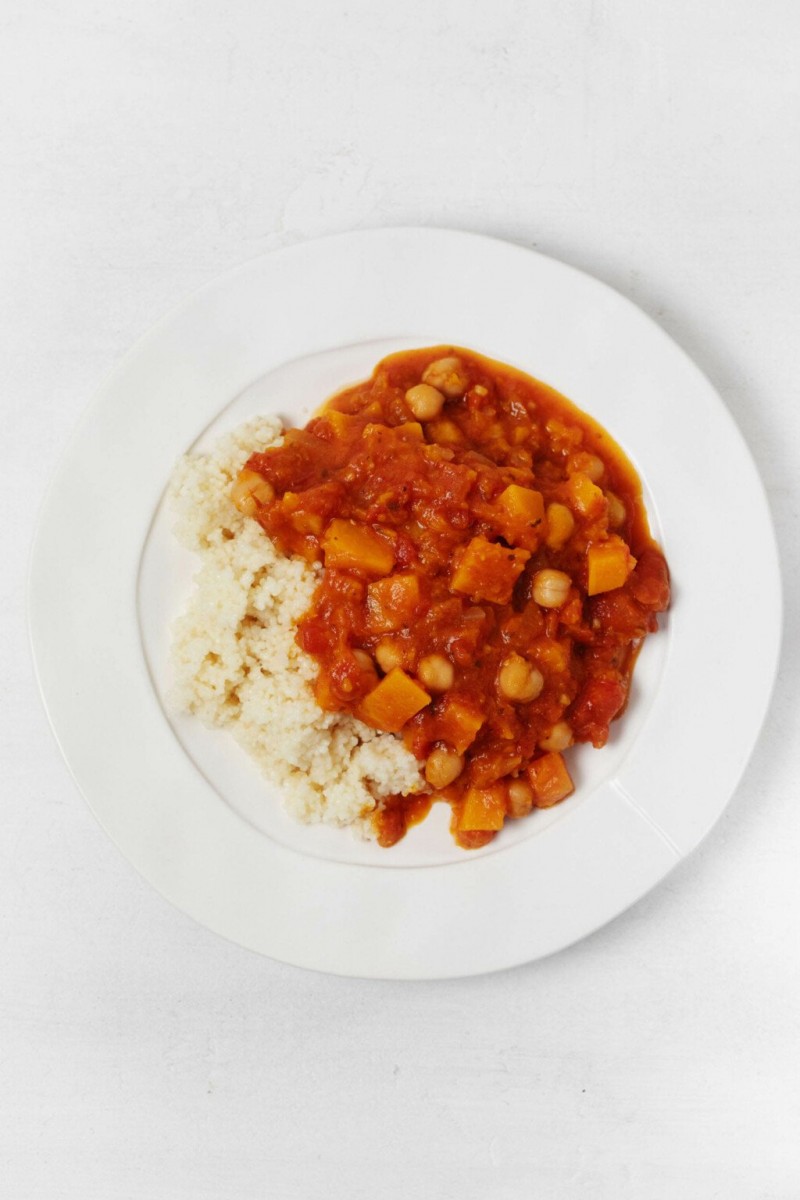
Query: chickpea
x=443 y=766
x=435 y=672
x=551 y=588
x=616 y=511
x=583 y=463
x=424 y=401
x=520 y=798
x=559 y=737
x=389 y=655
x=593 y=466
x=519 y=680
x=560 y=524
x=448 y=375
x=250 y=490
x=364 y=660
x=246 y=504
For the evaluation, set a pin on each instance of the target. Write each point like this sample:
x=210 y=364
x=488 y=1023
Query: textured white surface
x=146 y=147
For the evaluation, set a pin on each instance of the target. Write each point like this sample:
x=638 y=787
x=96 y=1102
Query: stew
x=489 y=575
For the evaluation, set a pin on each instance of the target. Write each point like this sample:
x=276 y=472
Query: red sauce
x=489 y=575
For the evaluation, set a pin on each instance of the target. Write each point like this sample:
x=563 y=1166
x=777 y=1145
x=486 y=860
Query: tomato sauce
x=489 y=575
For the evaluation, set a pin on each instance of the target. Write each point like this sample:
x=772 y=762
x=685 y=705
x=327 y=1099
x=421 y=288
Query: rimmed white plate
x=187 y=807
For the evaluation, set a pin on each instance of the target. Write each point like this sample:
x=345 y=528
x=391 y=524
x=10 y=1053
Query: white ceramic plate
x=188 y=808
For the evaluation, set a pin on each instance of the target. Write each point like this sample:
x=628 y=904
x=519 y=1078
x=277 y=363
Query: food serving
x=430 y=592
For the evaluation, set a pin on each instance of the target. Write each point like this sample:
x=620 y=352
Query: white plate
x=188 y=808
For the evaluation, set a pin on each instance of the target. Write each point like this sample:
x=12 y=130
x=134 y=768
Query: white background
x=146 y=147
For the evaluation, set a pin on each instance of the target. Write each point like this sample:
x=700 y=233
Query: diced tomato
x=595 y=707
x=619 y=613
x=649 y=583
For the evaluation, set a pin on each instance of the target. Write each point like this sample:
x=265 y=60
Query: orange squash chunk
x=519 y=515
x=584 y=496
x=550 y=780
x=341 y=423
x=484 y=809
x=392 y=602
x=351 y=547
x=458 y=723
x=394 y=701
x=608 y=566
x=488 y=571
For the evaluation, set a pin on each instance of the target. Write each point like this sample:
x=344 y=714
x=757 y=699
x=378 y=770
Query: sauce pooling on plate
x=489 y=576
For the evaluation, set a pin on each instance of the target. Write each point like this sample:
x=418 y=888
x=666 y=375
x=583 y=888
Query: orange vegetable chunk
x=609 y=565
x=519 y=515
x=351 y=547
x=550 y=780
x=458 y=723
x=488 y=571
x=484 y=809
x=585 y=497
x=392 y=602
x=393 y=702
x=381 y=437
x=341 y=423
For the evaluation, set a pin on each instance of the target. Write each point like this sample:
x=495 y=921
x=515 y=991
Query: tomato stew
x=489 y=575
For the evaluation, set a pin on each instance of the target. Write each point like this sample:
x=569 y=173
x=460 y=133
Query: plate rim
x=228 y=280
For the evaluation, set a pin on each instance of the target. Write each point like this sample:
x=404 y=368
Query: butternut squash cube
x=392 y=603
x=484 y=809
x=458 y=723
x=395 y=700
x=351 y=547
x=585 y=497
x=340 y=422
x=521 y=503
x=519 y=515
x=488 y=571
x=550 y=780
x=410 y=431
x=608 y=566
